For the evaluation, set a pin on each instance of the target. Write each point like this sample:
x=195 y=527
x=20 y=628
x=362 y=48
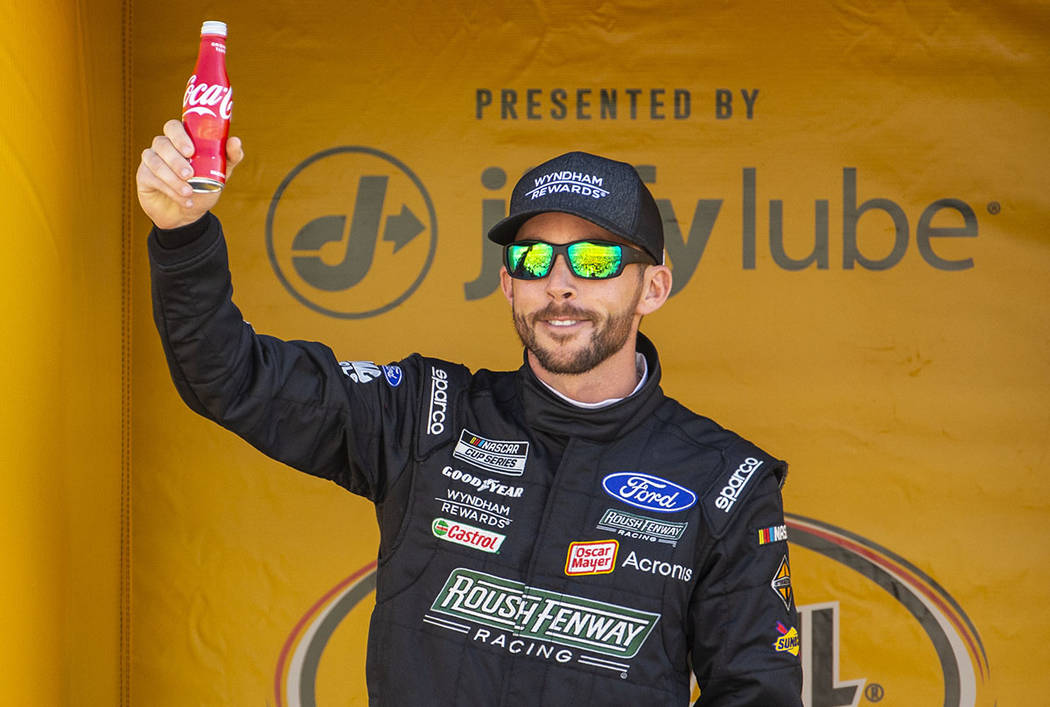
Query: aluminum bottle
x=206 y=109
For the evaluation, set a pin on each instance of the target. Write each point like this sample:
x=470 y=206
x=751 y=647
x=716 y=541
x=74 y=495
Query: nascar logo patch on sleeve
x=772 y=534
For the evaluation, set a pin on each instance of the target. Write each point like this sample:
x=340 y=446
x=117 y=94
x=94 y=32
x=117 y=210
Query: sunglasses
x=590 y=260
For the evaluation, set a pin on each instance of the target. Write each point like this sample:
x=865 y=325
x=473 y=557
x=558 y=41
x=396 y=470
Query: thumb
x=234 y=154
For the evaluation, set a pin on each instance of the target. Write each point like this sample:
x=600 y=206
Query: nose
x=561 y=283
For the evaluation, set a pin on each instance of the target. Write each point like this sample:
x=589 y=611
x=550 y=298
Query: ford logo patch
x=393 y=375
x=649 y=492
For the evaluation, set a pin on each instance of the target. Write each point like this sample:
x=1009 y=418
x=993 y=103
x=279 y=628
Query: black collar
x=546 y=412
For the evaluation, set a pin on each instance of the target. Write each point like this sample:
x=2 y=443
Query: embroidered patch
x=772 y=534
x=788 y=642
x=648 y=492
x=781 y=583
x=501 y=456
x=591 y=557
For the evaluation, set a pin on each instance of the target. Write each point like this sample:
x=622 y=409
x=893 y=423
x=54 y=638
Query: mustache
x=564 y=311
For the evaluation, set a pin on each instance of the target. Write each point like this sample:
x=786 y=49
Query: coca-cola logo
x=204 y=99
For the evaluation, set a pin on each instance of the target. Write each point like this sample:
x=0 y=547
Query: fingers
x=148 y=180
x=167 y=166
x=175 y=131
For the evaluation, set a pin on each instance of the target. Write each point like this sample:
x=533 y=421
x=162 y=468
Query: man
x=560 y=534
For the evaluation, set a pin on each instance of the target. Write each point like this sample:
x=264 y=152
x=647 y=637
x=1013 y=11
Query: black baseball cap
x=602 y=191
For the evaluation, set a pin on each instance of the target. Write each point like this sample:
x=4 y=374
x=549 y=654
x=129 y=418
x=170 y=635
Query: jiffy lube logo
x=568 y=182
x=205 y=99
x=351 y=232
x=649 y=492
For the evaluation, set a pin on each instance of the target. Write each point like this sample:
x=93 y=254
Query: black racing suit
x=532 y=552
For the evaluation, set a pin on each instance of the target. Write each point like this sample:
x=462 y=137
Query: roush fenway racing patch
x=533 y=613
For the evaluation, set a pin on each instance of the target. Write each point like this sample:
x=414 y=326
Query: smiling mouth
x=562 y=322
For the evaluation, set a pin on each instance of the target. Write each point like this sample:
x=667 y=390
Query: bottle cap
x=213 y=27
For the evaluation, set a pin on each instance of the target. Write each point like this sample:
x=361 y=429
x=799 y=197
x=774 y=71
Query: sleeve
x=351 y=423
x=744 y=640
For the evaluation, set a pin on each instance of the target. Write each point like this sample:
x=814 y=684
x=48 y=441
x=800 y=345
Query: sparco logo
x=731 y=491
x=204 y=99
x=649 y=492
x=531 y=612
x=468 y=535
x=569 y=182
x=501 y=456
x=438 y=401
x=351 y=232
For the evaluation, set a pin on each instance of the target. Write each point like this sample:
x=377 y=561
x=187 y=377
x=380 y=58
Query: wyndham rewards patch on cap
x=605 y=192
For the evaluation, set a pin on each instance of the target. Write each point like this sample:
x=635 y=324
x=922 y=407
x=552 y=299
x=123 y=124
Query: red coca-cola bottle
x=206 y=110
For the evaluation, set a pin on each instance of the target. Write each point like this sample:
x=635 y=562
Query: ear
x=506 y=283
x=656 y=288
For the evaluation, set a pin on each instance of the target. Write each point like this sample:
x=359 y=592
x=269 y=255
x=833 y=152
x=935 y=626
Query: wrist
x=172 y=238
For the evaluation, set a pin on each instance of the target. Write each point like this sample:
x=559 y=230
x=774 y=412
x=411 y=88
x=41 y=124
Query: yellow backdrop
x=856 y=211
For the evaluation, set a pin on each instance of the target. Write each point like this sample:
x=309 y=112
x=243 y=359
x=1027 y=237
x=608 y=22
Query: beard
x=608 y=335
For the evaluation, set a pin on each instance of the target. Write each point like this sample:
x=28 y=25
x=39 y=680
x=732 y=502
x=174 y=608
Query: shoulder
x=457 y=377
x=703 y=432
x=736 y=466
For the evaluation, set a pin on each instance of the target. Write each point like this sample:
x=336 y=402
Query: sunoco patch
x=788 y=641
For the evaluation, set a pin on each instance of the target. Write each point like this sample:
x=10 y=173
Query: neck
x=615 y=377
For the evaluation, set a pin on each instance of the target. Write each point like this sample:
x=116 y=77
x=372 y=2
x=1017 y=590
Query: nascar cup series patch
x=498 y=455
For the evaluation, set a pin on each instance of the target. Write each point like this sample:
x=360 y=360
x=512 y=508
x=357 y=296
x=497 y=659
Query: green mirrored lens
x=532 y=259
x=595 y=260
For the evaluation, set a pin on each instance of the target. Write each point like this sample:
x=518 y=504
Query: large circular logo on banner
x=882 y=609
x=351 y=232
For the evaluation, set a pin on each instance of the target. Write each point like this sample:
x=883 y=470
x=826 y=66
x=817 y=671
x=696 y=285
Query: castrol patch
x=467 y=535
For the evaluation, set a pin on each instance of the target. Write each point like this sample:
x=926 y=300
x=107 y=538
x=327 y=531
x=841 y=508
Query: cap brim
x=506 y=230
